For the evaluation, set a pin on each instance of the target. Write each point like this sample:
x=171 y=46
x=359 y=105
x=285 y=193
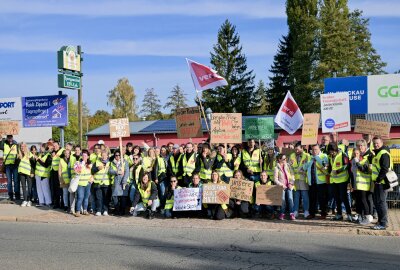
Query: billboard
x=45 y=111
x=10 y=109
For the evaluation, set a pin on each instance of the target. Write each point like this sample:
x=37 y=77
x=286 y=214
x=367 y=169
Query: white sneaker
x=24 y=203
x=105 y=213
x=370 y=218
x=357 y=217
x=29 y=204
x=98 y=214
x=296 y=214
x=306 y=214
x=134 y=213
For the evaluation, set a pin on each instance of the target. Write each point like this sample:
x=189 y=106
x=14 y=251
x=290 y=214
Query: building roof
x=169 y=126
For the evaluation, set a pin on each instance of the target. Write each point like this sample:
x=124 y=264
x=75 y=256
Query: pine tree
x=229 y=61
x=151 y=107
x=280 y=81
x=123 y=100
x=261 y=104
x=176 y=100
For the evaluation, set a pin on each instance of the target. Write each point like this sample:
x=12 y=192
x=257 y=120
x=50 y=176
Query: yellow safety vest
x=40 y=170
x=145 y=194
x=204 y=174
x=161 y=166
x=296 y=166
x=24 y=166
x=320 y=170
x=376 y=167
x=224 y=170
x=84 y=176
x=258 y=183
x=252 y=162
x=137 y=173
x=129 y=160
x=55 y=163
x=169 y=204
x=269 y=170
x=189 y=165
x=175 y=165
x=114 y=167
x=363 y=180
x=65 y=170
x=102 y=177
x=147 y=163
x=93 y=157
x=10 y=153
x=337 y=163
x=236 y=163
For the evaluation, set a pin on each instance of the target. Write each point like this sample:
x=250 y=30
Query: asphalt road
x=72 y=246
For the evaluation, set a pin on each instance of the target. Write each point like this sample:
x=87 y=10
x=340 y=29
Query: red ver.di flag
x=204 y=77
x=289 y=117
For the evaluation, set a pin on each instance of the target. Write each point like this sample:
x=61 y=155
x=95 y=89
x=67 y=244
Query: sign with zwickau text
x=241 y=189
x=119 y=128
x=188 y=123
x=309 y=134
x=216 y=193
x=269 y=195
x=187 y=199
x=226 y=128
x=335 y=112
x=259 y=128
x=9 y=128
x=373 y=127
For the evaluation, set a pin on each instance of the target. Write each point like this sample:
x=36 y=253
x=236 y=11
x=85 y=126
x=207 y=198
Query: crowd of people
x=315 y=179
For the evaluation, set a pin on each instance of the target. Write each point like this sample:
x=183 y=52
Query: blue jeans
x=161 y=193
x=287 y=197
x=132 y=192
x=12 y=177
x=168 y=213
x=82 y=197
x=304 y=196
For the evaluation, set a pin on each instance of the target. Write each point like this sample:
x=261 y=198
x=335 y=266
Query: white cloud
x=375 y=8
x=253 y=8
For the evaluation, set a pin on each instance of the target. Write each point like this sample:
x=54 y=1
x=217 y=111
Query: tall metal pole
x=61 y=128
x=80 y=102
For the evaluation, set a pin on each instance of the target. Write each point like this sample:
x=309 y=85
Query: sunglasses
x=135 y=158
x=117 y=155
x=173 y=181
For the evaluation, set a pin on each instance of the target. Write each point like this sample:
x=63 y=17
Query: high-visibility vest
x=24 y=166
x=204 y=174
x=84 y=176
x=376 y=167
x=342 y=147
x=269 y=169
x=128 y=159
x=337 y=163
x=93 y=157
x=224 y=170
x=40 y=170
x=147 y=163
x=137 y=173
x=236 y=163
x=102 y=177
x=114 y=167
x=258 y=183
x=363 y=180
x=161 y=166
x=296 y=165
x=55 y=163
x=65 y=170
x=252 y=162
x=169 y=203
x=175 y=165
x=10 y=154
x=72 y=160
x=189 y=165
x=320 y=170
x=145 y=194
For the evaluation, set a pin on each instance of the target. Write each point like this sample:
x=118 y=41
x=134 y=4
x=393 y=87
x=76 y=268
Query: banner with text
x=187 y=199
x=269 y=195
x=216 y=193
x=373 y=127
x=241 y=189
x=226 y=128
x=261 y=128
x=335 y=112
x=188 y=123
x=10 y=109
x=309 y=134
x=45 y=111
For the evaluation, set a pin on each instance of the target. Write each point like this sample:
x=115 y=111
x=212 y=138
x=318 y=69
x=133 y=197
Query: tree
x=99 y=118
x=229 y=61
x=122 y=99
x=176 y=100
x=262 y=105
x=151 y=107
x=280 y=81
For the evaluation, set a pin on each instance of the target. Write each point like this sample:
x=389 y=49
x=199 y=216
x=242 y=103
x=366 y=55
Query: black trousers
x=216 y=211
x=380 y=195
x=120 y=204
x=318 y=195
x=363 y=202
x=340 y=193
x=55 y=189
x=101 y=196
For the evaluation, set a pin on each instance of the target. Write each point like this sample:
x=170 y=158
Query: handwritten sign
x=119 y=128
x=9 y=128
x=241 y=189
x=259 y=128
x=226 y=128
x=373 y=127
x=3 y=179
x=188 y=123
x=309 y=134
x=187 y=199
x=269 y=195
x=216 y=193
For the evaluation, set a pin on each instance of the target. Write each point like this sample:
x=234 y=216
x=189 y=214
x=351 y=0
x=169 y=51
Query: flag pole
x=202 y=110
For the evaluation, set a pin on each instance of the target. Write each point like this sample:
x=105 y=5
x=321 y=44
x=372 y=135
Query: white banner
x=10 y=109
x=335 y=112
x=187 y=199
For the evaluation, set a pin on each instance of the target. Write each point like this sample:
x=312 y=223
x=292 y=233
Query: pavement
x=16 y=213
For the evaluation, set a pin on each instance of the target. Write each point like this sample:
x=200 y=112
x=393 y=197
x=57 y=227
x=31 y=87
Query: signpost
x=226 y=128
x=188 y=123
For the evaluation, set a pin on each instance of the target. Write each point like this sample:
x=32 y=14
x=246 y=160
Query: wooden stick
x=259 y=147
x=202 y=110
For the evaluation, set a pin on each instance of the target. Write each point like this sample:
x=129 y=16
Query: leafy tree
x=229 y=61
x=151 y=107
x=99 y=118
x=122 y=99
x=262 y=105
x=176 y=100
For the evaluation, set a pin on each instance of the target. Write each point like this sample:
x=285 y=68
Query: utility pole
x=80 y=101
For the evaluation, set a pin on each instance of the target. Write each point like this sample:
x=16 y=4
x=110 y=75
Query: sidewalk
x=13 y=212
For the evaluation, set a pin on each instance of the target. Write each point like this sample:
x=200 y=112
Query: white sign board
x=335 y=112
x=384 y=93
x=10 y=109
x=187 y=199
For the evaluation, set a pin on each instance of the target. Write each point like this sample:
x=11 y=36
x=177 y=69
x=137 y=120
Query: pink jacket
x=279 y=176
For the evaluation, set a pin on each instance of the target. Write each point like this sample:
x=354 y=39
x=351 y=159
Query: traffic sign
x=69 y=81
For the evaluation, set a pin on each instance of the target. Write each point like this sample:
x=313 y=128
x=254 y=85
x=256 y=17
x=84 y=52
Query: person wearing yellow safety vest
x=160 y=177
x=188 y=164
x=145 y=197
x=223 y=163
x=64 y=174
x=236 y=160
x=205 y=163
x=55 y=188
x=381 y=163
x=317 y=172
x=251 y=161
x=135 y=174
x=96 y=153
x=218 y=211
x=325 y=140
x=84 y=167
x=174 y=164
x=42 y=174
x=149 y=162
x=119 y=173
x=297 y=161
x=26 y=173
x=169 y=195
x=10 y=149
x=240 y=208
x=263 y=210
x=101 y=184
x=269 y=163
x=339 y=180
x=34 y=153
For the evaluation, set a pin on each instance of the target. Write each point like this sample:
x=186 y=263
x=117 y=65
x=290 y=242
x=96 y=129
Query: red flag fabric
x=204 y=77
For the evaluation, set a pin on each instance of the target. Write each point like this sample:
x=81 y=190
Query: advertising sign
x=259 y=128
x=45 y=111
x=226 y=128
x=119 y=128
x=187 y=199
x=10 y=109
x=188 y=123
x=335 y=112
x=68 y=58
x=384 y=93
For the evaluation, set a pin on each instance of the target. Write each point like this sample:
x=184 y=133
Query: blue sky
x=147 y=41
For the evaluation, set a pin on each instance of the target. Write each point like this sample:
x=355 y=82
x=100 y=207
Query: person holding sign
x=217 y=211
x=119 y=172
x=205 y=163
x=145 y=197
x=222 y=164
x=284 y=177
x=263 y=210
x=251 y=160
x=242 y=208
x=169 y=195
x=188 y=164
x=196 y=182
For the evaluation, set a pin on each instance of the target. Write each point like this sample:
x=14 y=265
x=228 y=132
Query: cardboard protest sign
x=216 y=193
x=259 y=128
x=335 y=112
x=269 y=195
x=287 y=151
x=119 y=128
x=188 y=123
x=241 y=189
x=373 y=127
x=9 y=128
x=309 y=134
x=187 y=199
x=226 y=128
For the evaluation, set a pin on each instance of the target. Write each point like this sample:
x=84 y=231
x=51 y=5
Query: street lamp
x=209 y=114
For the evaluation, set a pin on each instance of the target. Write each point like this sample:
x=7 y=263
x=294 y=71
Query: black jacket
x=138 y=196
x=384 y=162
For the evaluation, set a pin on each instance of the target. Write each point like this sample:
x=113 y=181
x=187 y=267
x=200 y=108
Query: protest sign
x=188 y=123
x=259 y=128
x=335 y=112
x=216 y=193
x=226 y=128
x=187 y=199
x=373 y=127
x=269 y=195
x=119 y=128
x=241 y=189
x=9 y=128
x=309 y=134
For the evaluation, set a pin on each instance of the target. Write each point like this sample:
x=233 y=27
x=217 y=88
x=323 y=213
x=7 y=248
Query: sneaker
x=24 y=203
x=378 y=227
x=357 y=217
x=105 y=213
x=310 y=217
x=29 y=204
x=292 y=216
x=365 y=221
x=85 y=213
x=370 y=218
x=281 y=216
x=98 y=214
x=40 y=205
x=77 y=214
x=349 y=218
x=296 y=214
x=337 y=217
x=306 y=214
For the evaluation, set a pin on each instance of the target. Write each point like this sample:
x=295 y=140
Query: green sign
x=69 y=59
x=259 y=128
x=69 y=81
